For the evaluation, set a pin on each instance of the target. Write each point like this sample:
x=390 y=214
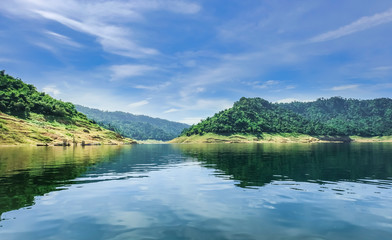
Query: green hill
x=324 y=117
x=139 y=127
x=29 y=116
x=348 y=116
x=257 y=116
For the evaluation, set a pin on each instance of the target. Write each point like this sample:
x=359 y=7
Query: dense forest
x=135 y=126
x=334 y=116
x=20 y=99
x=348 y=116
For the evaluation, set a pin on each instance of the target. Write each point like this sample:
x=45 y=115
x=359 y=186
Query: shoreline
x=211 y=138
x=277 y=138
x=39 y=132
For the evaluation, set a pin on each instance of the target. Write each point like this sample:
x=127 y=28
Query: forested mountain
x=29 y=116
x=20 y=99
x=135 y=126
x=334 y=116
x=348 y=116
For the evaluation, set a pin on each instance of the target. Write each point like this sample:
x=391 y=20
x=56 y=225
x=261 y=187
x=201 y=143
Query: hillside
x=257 y=116
x=325 y=117
x=348 y=116
x=32 y=117
x=135 y=126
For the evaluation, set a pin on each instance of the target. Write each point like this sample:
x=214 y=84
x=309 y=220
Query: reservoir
x=197 y=191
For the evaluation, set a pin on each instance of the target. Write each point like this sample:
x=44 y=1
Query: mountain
x=139 y=127
x=328 y=117
x=348 y=116
x=29 y=116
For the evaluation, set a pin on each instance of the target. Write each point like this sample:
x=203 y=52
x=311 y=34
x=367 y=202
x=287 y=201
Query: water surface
x=204 y=191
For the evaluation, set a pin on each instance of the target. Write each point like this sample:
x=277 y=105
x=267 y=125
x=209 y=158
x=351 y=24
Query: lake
x=215 y=191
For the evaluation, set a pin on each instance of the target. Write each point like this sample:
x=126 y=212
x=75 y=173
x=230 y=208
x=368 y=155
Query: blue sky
x=186 y=60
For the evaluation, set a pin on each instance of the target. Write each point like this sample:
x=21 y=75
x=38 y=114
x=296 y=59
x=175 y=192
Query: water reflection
x=27 y=172
x=260 y=164
x=238 y=191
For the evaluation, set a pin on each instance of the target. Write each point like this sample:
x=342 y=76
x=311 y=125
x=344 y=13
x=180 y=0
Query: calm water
x=229 y=191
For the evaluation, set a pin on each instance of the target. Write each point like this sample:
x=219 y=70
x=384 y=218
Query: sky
x=186 y=60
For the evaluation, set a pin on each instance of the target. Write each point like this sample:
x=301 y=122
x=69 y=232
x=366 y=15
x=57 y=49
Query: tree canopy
x=334 y=116
x=20 y=99
x=348 y=116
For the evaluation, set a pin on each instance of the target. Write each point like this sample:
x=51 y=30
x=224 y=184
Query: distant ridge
x=138 y=127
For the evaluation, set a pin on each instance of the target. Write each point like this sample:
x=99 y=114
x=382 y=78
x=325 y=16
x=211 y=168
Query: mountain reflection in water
x=197 y=191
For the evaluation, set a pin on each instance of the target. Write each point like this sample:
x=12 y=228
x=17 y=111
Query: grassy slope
x=271 y=138
x=37 y=130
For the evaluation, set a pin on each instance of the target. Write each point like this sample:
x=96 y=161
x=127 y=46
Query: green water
x=228 y=191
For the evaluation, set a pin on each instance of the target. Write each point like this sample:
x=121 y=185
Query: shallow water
x=215 y=191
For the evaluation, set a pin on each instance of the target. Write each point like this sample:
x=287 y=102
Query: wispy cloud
x=154 y=87
x=138 y=104
x=114 y=39
x=106 y=21
x=213 y=105
x=63 y=39
x=51 y=89
x=191 y=120
x=289 y=100
x=129 y=70
x=344 y=87
x=267 y=84
x=356 y=26
x=171 y=110
x=45 y=46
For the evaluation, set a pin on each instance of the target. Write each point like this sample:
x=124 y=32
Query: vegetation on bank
x=324 y=117
x=32 y=117
x=138 y=127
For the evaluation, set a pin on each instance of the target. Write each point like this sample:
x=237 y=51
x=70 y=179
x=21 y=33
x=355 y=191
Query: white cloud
x=174 y=6
x=344 y=87
x=267 y=84
x=114 y=39
x=153 y=87
x=63 y=39
x=191 y=120
x=51 y=89
x=210 y=105
x=107 y=21
x=356 y=26
x=129 y=70
x=289 y=100
x=171 y=110
x=46 y=46
x=138 y=104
